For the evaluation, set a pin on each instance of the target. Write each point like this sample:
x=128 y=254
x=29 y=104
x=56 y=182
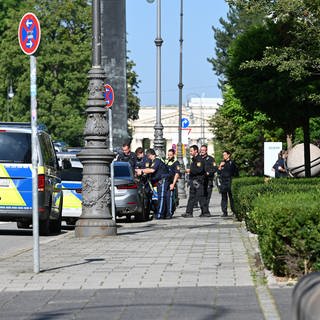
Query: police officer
x=174 y=175
x=197 y=184
x=227 y=169
x=141 y=158
x=210 y=169
x=127 y=155
x=159 y=174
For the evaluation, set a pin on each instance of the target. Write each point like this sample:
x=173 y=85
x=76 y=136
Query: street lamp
x=10 y=97
x=158 y=127
x=96 y=219
x=181 y=181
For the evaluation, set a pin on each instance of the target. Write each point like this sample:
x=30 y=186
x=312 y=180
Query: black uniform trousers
x=225 y=190
x=197 y=193
x=208 y=190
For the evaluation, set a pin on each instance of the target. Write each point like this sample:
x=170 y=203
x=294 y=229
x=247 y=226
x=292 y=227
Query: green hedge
x=288 y=228
x=245 y=192
x=238 y=187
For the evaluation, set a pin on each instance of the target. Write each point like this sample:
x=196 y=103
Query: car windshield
x=15 y=147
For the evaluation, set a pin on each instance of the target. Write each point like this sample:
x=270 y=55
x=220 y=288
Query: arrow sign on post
x=108 y=95
x=29 y=33
x=185 y=123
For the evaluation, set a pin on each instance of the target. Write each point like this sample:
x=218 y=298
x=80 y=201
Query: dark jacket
x=210 y=166
x=228 y=171
x=130 y=157
x=160 y=170
x=197 y=168
x=280 y=163
x=173 y=167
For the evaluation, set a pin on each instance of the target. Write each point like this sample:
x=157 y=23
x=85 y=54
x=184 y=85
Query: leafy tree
x=4 y=7
x=243 y=133
x=237 y=22
x=132 y=86
x=278 y=61
x=63 y=61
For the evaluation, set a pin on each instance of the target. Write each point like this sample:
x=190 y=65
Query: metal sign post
x=29 y=34
x=109 y=99
x=35 y=212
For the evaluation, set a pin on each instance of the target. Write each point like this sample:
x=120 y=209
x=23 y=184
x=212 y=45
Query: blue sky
x=198 y=45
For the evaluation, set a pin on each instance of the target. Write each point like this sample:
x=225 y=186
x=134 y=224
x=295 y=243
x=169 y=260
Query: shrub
x=288 y=228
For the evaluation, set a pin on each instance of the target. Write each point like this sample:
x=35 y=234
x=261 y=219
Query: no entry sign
x=29 y=33
x=108 y=95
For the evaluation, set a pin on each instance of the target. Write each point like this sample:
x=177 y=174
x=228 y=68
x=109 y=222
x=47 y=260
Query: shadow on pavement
x=73 y=264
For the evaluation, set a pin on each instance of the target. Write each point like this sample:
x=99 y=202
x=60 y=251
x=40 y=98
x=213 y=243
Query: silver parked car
x=130 y=198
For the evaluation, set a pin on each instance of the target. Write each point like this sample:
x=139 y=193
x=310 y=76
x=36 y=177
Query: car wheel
x=55 y=225
x=71 y=221
x=23 y=225
x=44 y=227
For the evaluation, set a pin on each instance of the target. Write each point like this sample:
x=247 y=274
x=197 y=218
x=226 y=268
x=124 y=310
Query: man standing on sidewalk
x=227 y=170
x=197 y=184
x=210 y=169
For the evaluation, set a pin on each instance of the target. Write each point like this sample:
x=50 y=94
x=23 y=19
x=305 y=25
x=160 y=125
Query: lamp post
x=158 y=127
x=181 y=181
x=96 y=219
x=10 y=97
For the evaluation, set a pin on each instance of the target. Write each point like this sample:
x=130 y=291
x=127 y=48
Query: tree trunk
x=289 y=141
x=306 y=133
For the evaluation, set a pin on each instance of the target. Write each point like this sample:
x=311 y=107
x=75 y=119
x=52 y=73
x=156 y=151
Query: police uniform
x=130 y=157
x=228 y=171
x=197 y=187
x=210 y=169
x=172 y=195
x=141 y=162
x=160 y=179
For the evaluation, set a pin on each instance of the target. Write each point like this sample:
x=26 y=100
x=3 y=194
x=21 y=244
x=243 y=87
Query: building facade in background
x=197 y=112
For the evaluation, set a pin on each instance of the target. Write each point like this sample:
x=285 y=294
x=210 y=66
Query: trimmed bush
x=245 y=193
x=288 y=228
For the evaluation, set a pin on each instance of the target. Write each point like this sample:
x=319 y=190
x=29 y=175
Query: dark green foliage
x=240 y=195
x=5 y=5
x=243 y=133
x=288 y=227
x=285 y=213
x=132 y=86
x=63 y=62
x=246 y=190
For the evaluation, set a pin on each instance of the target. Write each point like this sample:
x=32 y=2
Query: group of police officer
x=162 y=176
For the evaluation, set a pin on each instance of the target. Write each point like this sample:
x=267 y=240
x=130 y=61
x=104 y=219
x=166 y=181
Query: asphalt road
x=14 y=240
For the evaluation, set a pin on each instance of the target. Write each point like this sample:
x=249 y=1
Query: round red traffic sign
x=108 y=95
x=29 y=33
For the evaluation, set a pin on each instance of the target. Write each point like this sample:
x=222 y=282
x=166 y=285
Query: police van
x=16 y=178
x=71 y=181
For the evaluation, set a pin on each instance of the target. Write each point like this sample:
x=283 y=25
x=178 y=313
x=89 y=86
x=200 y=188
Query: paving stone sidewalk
x=195 y=268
